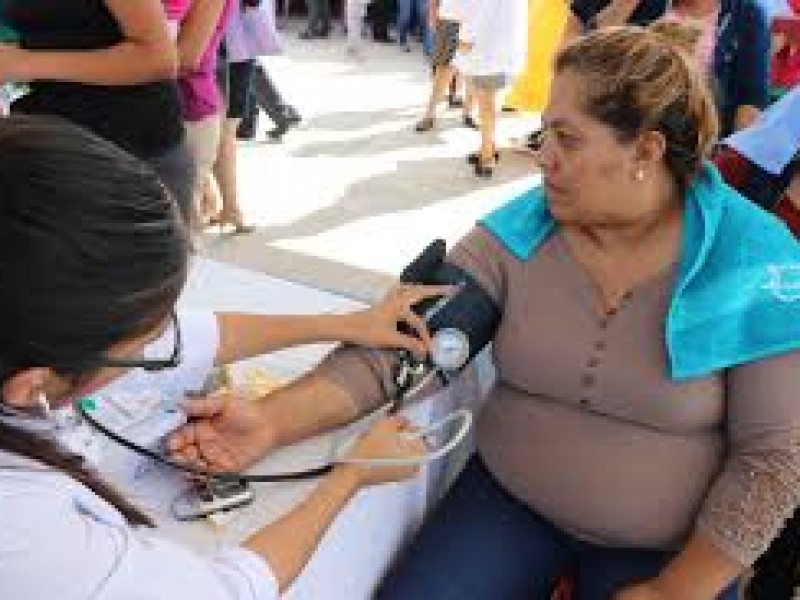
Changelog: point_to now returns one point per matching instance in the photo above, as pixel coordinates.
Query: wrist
(347, 478)
(340, 327)
(268, 433)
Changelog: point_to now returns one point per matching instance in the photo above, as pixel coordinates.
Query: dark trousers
(381, 14)
(482, 544)
(264, 96)
(319, 15)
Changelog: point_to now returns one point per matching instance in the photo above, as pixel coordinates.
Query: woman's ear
(650, 148)
(22, 389)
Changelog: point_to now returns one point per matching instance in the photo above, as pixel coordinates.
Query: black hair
(92, 252)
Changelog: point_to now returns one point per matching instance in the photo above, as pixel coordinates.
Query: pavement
(353, 194)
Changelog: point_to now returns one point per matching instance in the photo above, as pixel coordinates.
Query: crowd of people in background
(201, 81)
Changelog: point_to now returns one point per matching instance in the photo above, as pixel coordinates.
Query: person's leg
(442, 76)
(468, 104)
(325, 17)
(604, 571)
(405, 11)
(268, 98)
(225, 174)
(381, 17)
(319, 19)
(485, 95)
(446, 43)
(176, 168)
(353, 17)
(479, 544)
(203, 138)
(249, 125)
(422, 16)
(429, 39)
(240, 75)
(312, 21)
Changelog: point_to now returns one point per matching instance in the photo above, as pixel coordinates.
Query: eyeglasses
(153, 364)
(147, 364)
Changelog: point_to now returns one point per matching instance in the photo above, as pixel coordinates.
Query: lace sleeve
(758, 489)
(751, 501)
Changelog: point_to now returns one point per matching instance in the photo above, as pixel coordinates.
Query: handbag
(253, 31)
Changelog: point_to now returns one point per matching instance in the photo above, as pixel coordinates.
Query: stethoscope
(450, 352)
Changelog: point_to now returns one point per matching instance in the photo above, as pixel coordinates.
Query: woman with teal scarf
(643, 432)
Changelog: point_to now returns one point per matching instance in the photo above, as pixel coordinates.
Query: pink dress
(199, 93)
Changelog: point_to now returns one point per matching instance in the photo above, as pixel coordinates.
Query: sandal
(473, 158)
(425, 124)
(484, 171)
(454, 101)
(470, 122)
(235, 222)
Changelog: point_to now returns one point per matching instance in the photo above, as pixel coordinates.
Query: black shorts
(234, 81)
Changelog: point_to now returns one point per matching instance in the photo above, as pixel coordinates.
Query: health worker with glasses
(88, 285)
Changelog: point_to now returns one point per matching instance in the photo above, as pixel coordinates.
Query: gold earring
(639, 176)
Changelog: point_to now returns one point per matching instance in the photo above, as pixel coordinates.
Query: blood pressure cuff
(470, 310)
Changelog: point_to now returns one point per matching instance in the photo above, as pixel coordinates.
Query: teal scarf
(737, 298)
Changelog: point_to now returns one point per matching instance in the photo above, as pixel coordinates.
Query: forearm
(701, 571)
(244, 336)
(305, 408)
(289, 543)
(196, 32)
(126, 63)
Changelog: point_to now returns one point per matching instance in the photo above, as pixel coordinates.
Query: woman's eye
(566, 140)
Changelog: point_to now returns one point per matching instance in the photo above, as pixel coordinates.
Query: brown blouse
(585, 426)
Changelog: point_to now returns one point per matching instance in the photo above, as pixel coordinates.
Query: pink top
(199, 93)
(177, 9)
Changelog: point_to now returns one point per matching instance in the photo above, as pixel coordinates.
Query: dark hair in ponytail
(92, 252)
(27, 444)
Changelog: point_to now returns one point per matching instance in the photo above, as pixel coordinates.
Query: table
(368, 534)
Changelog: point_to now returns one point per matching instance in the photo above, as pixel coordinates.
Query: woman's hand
(225, 432)
(11, 56)
(388, 438)
(377, 325)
